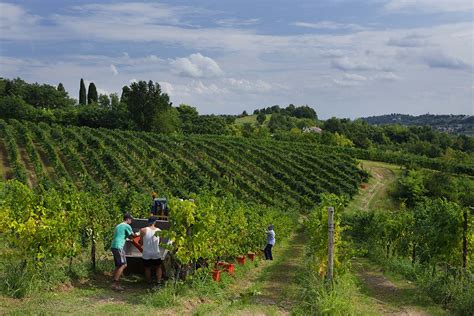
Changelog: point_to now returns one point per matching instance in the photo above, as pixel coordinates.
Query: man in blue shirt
(270, 243)
(121, 232)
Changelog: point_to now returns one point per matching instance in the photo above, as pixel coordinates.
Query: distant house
(312, 129)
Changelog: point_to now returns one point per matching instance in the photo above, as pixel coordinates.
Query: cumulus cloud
(411, 6)
(330, 25)
(196, 66)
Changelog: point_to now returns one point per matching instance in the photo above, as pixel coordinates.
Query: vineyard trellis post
(330, 244)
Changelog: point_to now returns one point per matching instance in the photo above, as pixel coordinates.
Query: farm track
(388, 295)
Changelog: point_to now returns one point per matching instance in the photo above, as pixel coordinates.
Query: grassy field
(252, 119)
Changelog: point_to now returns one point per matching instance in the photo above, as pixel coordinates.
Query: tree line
(144, 106)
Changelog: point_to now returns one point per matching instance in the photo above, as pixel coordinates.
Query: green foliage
(92, 94)
(104, 101)
(261, 117)
(166, 121)
(410, 188)
(82, 93)
(144, 101)
(221, 227)
(280, 122)
(317, 298)
(316, 227)
(39, 96)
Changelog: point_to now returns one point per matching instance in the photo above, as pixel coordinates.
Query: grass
(252, 119)
(94, 295)
(376, 193)
(392, 291)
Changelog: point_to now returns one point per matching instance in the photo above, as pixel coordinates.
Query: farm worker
(154, 205)
(121, 232)
(270, 243)
(151, 250)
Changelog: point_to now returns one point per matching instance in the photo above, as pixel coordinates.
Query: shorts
(151, 262)
(119, 257)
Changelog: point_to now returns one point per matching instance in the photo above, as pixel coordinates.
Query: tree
(82, 93)
(114, 101)
(166, 121)
(280, 122)
(290, 109)
(247, 130)
(188, 116)
(304, 112)
(61, 87)
(261, 117)
(125, 93)
(144, 102)
(244, 114)
(104, 101)
(92, 94)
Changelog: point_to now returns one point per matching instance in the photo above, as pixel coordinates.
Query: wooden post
(464, 240)
(330, 244)
(93, 249)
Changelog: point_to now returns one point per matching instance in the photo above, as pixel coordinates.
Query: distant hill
(456, 124)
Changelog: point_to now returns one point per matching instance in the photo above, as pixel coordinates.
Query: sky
(344, 58)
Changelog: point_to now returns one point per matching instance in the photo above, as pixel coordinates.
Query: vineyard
(265, 172)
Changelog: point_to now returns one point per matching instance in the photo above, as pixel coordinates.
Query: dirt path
(279, 285)
(269, 289)
(374, 194)
(388, 294)
(392, 295)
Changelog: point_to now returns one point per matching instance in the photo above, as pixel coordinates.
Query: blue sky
(345, 58)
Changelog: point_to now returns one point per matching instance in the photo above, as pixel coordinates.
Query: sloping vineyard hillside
(268, 172)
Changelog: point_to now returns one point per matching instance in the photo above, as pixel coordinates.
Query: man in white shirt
(151, 250)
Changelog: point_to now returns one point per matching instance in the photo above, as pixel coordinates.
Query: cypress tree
(92, 96)
(82, 93)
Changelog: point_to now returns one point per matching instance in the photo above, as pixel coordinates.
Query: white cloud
(386, 76)
(411, 40)
(166, 87)
(15, 22)
(198, 87)
(237, 22)
(440, 60)
(350, 80)
(411, 6)
(258, 86)
(330, 25)
(196, 66)
(114, 69)
(356, 64)
(256, 65)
